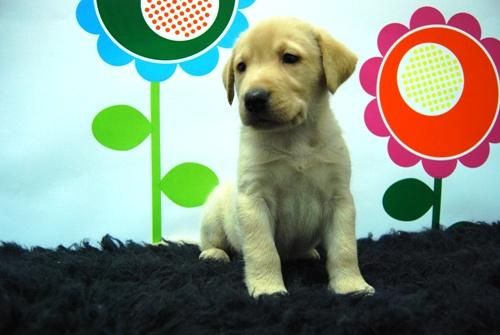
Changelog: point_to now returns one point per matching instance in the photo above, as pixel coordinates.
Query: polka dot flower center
(430, 79)
(179, 20)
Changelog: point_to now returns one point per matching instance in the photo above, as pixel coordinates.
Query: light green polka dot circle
(430, 79)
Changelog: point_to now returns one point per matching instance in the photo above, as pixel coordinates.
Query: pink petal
(494, 136)
(373, 120)
(400, 155)
(368, 75)
(389, 35)
(492, 45)
(439, 169)
(467, 23)
(477, 157)
(425, 16)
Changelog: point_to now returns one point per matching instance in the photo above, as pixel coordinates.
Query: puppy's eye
(241, 67)
(290, 59)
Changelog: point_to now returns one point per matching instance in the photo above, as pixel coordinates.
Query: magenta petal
(467, 23)
(494, 136)
(425, 16)
(400, 155)
(477, 157)
(389, 35)
(373, 119)
(439, 169)
(368, 75)
(492, 45)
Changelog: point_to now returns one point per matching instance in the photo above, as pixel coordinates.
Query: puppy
(294, 170)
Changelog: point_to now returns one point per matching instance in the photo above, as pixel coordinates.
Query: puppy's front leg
(262, 262)
(342, 254)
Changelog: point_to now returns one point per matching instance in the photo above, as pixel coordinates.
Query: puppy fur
(293, 188)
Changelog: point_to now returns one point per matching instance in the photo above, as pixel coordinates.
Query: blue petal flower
(245, 3)
(154, 72)
(87, 17)
(112, 54)
(203, 64)
(240, 24)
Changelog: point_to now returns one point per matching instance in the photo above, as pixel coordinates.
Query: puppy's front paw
(215, 254)
(257, 291)
(348, 285)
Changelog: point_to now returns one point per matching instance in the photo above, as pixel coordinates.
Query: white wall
(58, 185)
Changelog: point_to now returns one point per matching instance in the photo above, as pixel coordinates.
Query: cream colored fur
(293, 188)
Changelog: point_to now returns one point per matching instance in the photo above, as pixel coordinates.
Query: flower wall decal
(436, 97)
(159, 36)
(128, 33)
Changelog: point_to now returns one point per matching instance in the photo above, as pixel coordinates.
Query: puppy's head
(281, 68)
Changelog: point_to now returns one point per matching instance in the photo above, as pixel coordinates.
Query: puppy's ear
(338, 61)
(228, 79)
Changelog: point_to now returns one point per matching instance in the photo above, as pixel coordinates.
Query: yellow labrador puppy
(294, 171)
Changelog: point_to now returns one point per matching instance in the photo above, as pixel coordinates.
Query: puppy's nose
(257, 100)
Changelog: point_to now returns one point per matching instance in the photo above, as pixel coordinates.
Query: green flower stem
(436, 208)
(155, 161)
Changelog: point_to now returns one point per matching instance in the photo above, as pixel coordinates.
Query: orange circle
(457, 131)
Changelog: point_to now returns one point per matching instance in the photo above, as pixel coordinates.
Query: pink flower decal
(436, 96)
(436, 91)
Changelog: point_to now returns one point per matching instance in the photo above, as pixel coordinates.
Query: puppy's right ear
(228, 79)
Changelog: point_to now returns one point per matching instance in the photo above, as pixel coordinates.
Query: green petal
(189, 184)
(120, 127)
(408, 199)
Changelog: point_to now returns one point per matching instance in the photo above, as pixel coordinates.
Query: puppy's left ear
(228, 79)
(338, 61)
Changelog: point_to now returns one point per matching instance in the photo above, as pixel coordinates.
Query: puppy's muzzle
(257, 101)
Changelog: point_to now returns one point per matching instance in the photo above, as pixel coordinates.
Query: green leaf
(189, 184)
(408, 199)
(121, 127)
(460, 224)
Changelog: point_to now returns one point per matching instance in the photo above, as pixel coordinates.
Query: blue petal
(86, 16)
(203, 64)
(154, 72)
(245, 3)
(110, 53)
(239, 25)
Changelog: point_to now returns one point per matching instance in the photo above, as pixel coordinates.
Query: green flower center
(430, 79)
(136, 26)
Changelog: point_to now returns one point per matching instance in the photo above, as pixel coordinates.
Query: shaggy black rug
(445, 282)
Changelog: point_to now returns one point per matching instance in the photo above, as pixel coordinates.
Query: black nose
(257, 100)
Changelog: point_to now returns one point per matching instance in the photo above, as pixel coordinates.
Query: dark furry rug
(427, 283)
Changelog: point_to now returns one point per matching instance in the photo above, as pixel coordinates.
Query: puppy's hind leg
(213, 239)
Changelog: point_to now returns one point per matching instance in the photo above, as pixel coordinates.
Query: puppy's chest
(300, 164)
(299, 190)
(301, 204)
(306, 172)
